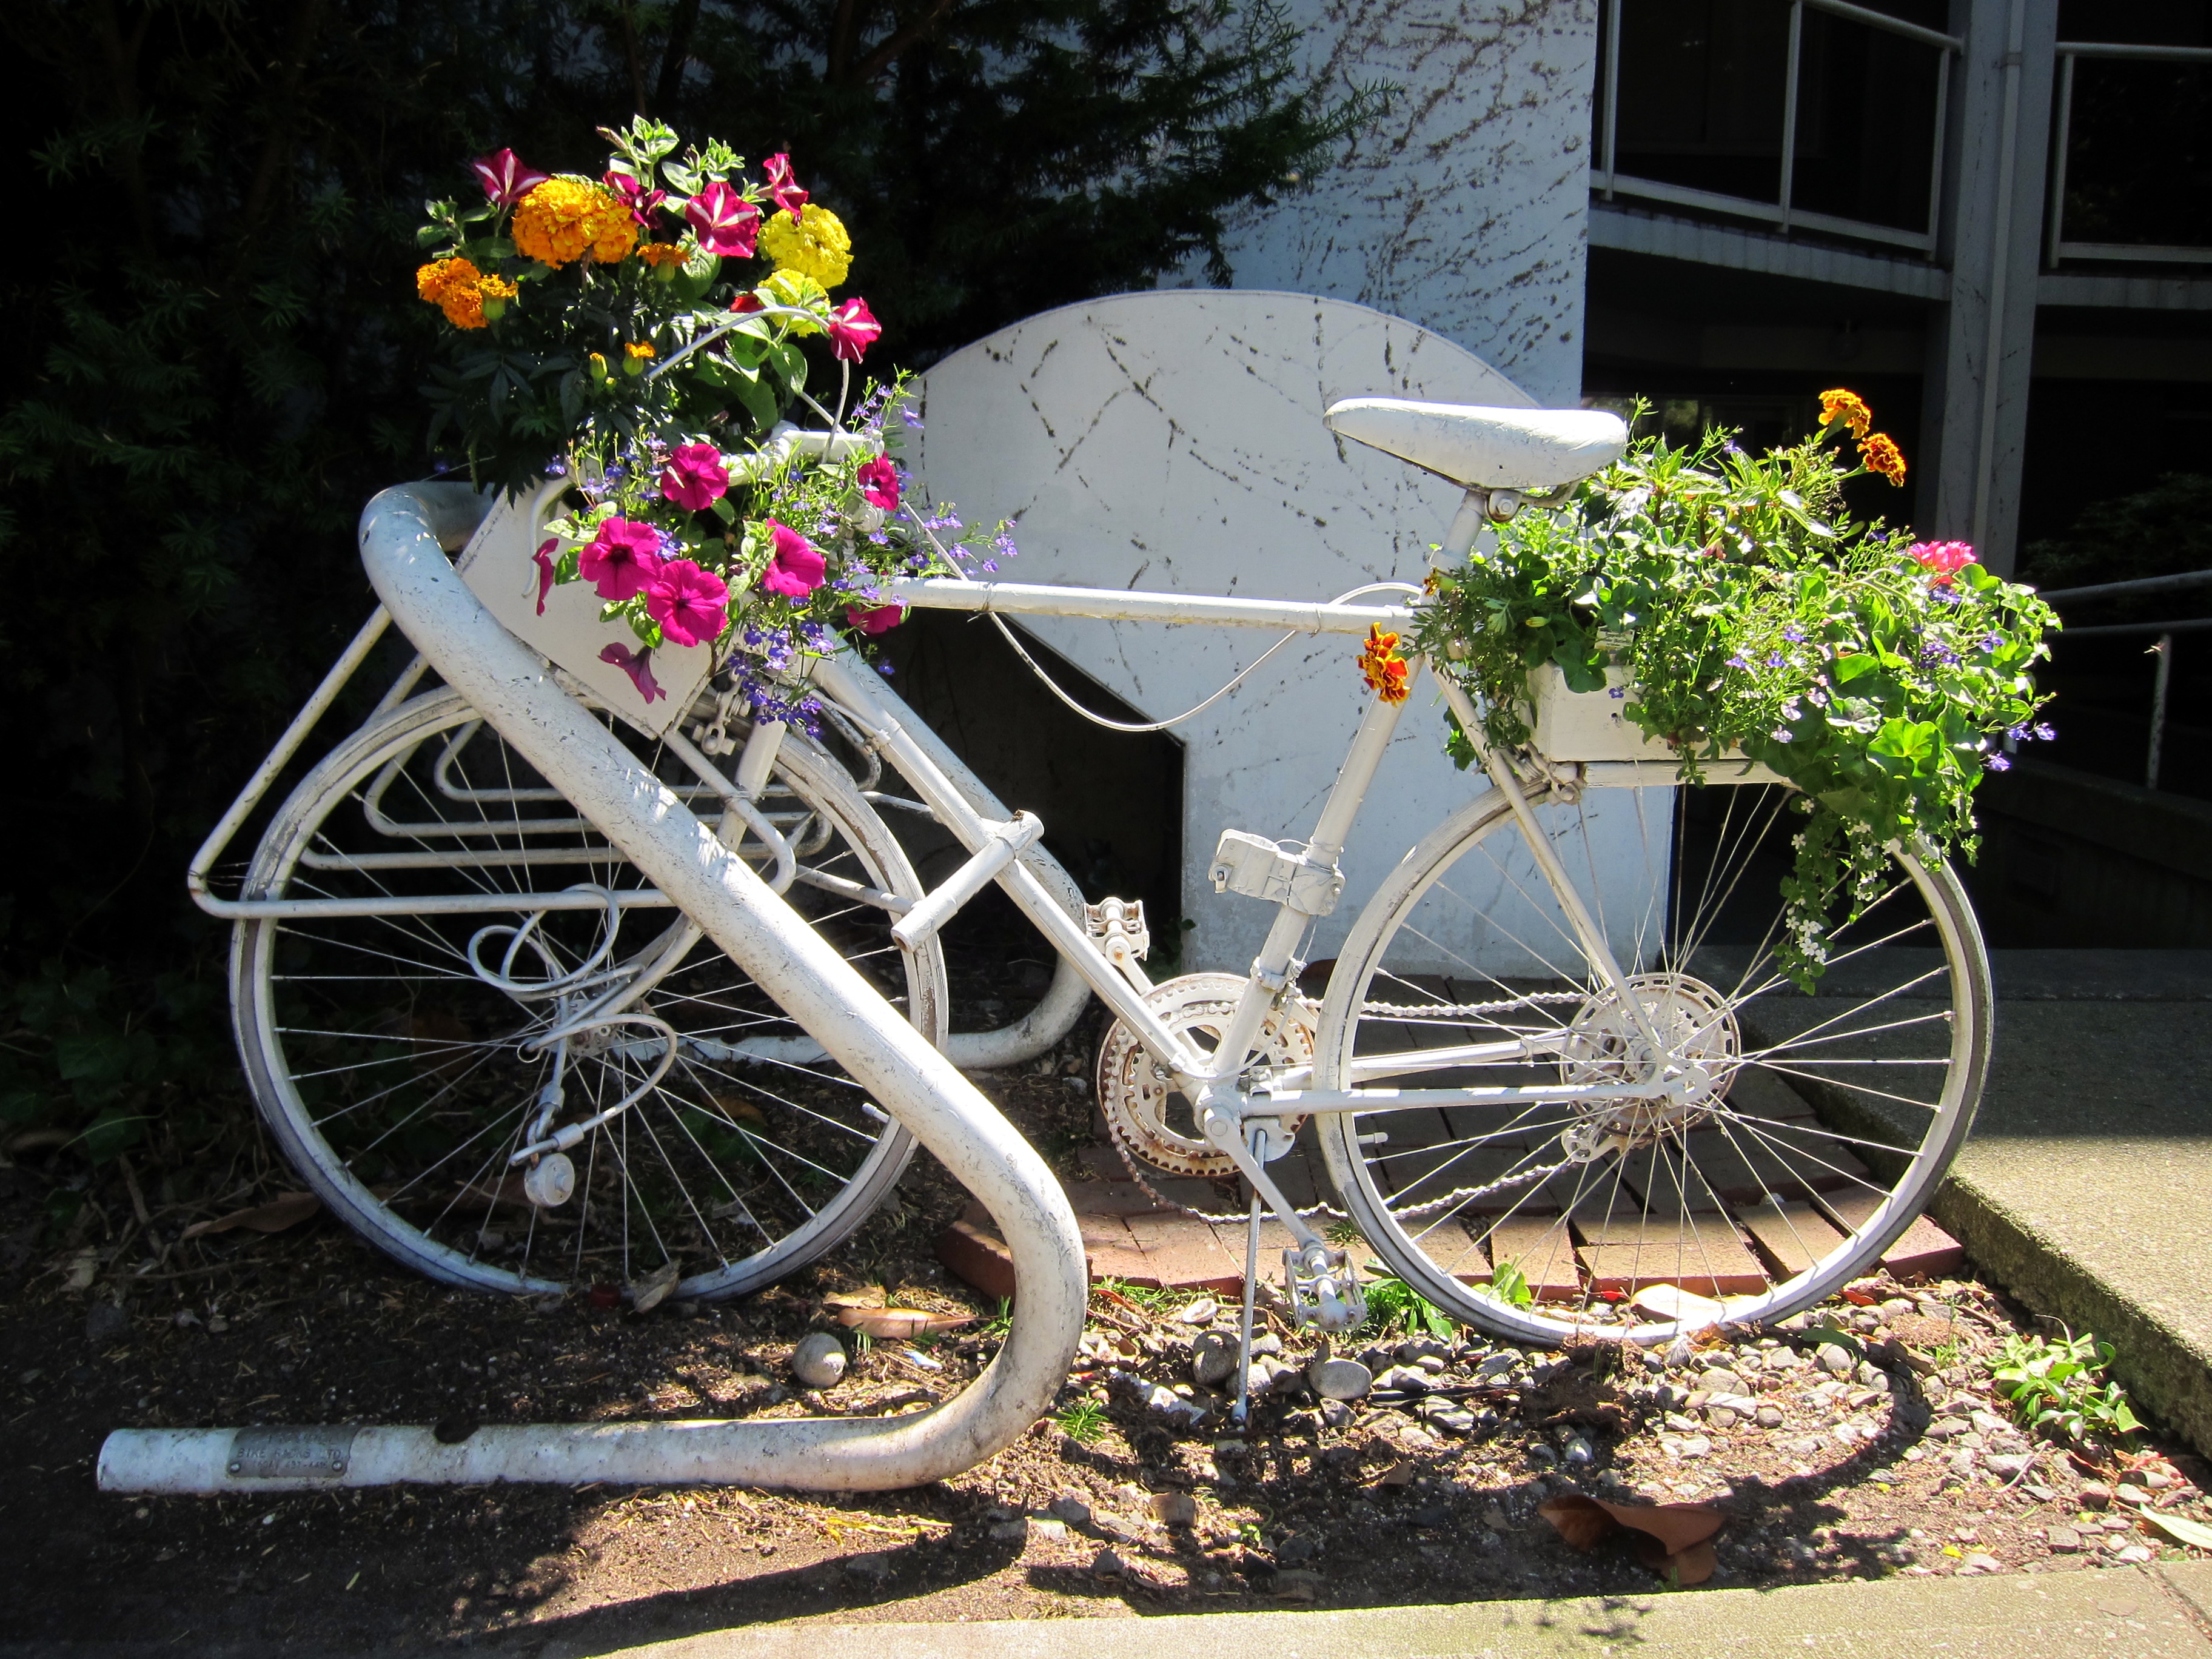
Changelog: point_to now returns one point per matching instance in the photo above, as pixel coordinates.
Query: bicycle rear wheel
(1812, 1133)
(399, 1059)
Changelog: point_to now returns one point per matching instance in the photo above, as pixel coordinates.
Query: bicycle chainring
(1148, 1116)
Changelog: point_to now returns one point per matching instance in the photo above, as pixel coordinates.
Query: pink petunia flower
(506, 180)
(796, 570)
(853, 329)
(782, 186)
(727, 223)
(640, 201)
(881, 619)
(638, 664)
(690, 603)
(621, 559)
(879, 483)
(694, 476)
(1941, 560)
(543, 558)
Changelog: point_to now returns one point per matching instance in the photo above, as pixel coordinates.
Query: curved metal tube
(516, 692)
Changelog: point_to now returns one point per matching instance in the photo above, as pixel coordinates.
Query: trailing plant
(2061, 1388)
(1733, 602)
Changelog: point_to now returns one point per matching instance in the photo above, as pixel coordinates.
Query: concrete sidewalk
(2086, 1188)
(2150, 1613)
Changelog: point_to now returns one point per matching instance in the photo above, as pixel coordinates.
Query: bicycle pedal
(1330, 1297)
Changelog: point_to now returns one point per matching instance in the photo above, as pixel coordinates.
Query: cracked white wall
(1172, 441)
(1465, 208)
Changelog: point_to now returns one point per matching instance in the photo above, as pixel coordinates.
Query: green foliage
(1747, 609)
(1394, 1305)
(2157, 531)
(2061, 1388)
(1510, 1286)
(220, 348)
(1084, 1422)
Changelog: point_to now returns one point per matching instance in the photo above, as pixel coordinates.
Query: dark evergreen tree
(217, 352)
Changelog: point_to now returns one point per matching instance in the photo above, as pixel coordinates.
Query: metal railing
(2071, 52)
(2163, 648)
(1609, 181)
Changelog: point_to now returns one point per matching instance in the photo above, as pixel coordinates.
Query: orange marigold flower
(564, 218)
(1880, 453)
(658, 254)
(1848, 408)
(456, 287)
(640, 349)
(1382, 667)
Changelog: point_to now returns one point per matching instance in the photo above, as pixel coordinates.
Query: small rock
(1295, 1550)
(1833, 1358)
(1543, 1456)
(1989, 1422)
(1199, 1312)
(1678, 1422)
(1721, 1380)
(1495, 1519)
(1721, 1417)
(1336, 1414)
(1415, 1350)
(1962, 1464)
(1871, 1376)
(1174, 1508)
(1770, 1416)
(1054, 1530)
(1268, 1342)
(2063, 1540)
(1339, 1379)
(2132, 1495)
(2096, 1495)
(1688, 1445)
(1213, 1357)
(1434, 1365)
(1943, 1428)
(1073, 1511)
(1680, 1353)
(2134, 1555)
(1494, 1370)
(105, 1322)
(1117, 1526)
(1298, 1584)
(2153, 1479)
(818, 1361)
(1453, 1420)
(1016, 1531)
(1577, 1452)
(1404, 1379)
(1896, 1306)
(1166, 1402)
(1107, 1564)
(1980, 1562)
(873, 1565)
(2007, 1465)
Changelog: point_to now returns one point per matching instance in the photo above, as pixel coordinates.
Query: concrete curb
(2165, 1370)
(2157, 1613)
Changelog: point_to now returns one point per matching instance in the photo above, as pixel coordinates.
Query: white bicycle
(1558, 1081)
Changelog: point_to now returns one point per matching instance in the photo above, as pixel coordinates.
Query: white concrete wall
(1466, 208)
(1172, 441)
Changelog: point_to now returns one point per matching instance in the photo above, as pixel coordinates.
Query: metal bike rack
(651, 825)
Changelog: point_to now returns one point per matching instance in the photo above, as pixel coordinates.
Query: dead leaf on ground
(2181, 1530)
(285, 1210)
(869, 1295)
(650, 1292)
(900, 1321)
(1672, 1539)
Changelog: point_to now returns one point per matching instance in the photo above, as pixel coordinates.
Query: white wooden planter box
(1588, 725)
(498, 568)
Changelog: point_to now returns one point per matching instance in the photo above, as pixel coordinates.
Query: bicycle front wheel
(403, 1060)
(1802, 1137)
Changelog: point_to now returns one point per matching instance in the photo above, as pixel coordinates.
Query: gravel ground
(1133, 1497)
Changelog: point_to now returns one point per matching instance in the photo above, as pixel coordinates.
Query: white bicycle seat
(1529, 449)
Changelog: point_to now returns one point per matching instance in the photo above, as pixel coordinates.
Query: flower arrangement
(1881, 675)
(597, 330)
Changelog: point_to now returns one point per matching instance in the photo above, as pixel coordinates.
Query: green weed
(1083, 1422)
(2061, 1387)
(1394, 1305)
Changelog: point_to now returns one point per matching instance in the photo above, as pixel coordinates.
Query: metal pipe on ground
(683, 857)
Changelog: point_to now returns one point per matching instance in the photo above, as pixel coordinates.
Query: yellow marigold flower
(497, 288)
(658, 254)
(796, 290)
(1848, 408)
(1385, 672)
(639, 350)
(1880, 453)
(815, 247)
(455, 286)
(564, 218)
